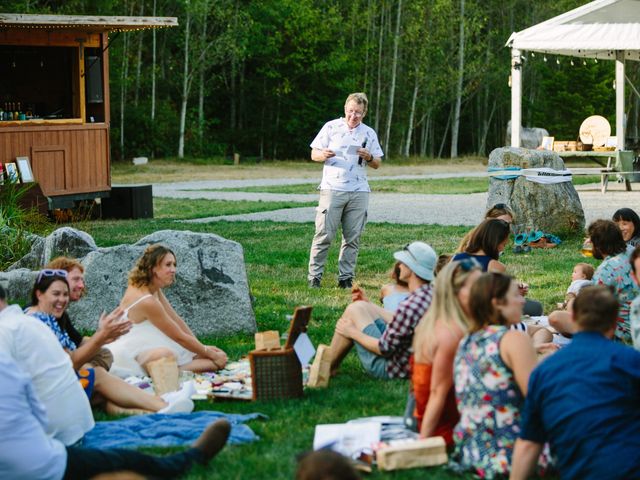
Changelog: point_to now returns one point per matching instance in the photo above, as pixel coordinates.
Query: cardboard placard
(425, 452)
(267, 340)
(320, 371)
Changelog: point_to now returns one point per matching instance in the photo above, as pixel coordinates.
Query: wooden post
(516, 97)
(236, 159)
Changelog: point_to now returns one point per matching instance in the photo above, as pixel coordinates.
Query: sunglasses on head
(51, 273)
(501, 206)
(406, 249)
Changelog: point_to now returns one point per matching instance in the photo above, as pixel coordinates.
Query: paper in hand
(352, 150)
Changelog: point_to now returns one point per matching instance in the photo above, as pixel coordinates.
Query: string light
(544, 58)
(557, 61)
(571, 62)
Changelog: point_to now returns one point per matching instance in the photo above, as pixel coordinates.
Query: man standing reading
(347, 147)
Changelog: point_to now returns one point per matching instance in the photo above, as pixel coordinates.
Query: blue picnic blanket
(166, 430)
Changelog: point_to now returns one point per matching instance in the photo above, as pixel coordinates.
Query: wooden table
(617, 162)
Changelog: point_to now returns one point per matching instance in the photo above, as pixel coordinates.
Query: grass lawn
(170, 208)
(444, 186)
(276, 256)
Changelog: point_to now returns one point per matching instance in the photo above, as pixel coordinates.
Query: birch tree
(394, 70)
(455, 126)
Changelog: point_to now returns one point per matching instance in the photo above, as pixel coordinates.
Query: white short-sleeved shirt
(342, 172)
(36, 350)
(26, 451)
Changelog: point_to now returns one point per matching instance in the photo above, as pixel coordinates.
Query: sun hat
(419, 257)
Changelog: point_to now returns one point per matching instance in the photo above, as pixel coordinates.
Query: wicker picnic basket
(276, 373)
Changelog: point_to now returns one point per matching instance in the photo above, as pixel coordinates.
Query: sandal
(552, 238)
(520, 239)
(543, 243)
(535, 235)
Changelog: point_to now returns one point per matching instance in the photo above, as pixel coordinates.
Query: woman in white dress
(158, 333)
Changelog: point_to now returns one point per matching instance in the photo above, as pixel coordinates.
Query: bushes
(17, 223)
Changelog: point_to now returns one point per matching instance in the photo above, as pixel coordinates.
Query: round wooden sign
(595, 130)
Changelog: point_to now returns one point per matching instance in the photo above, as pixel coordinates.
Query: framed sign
(547, 143)
(12, 173)
(24, 166)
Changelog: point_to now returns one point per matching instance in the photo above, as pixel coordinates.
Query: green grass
(276, 256)
(446, 186)
(170, 208)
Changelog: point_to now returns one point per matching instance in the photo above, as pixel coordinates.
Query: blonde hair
(445, 306)
(142, 273)
(360, 98)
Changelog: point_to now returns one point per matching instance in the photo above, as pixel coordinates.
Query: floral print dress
(615, 272)
(489, 402)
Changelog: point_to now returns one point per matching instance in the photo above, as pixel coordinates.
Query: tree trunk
(376, 123)
(139, 60)
(394, 69)
(153, 69)
(446, 131)
(456, 116)
(482, 150)
(185, 84)
(123, 90)
(201, 89)
(412, 111)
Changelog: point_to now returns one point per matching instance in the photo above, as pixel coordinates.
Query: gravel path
(413, 209)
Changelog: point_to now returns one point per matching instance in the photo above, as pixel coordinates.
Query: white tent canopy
(603, 29)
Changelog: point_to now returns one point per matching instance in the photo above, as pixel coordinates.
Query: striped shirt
(395, 342)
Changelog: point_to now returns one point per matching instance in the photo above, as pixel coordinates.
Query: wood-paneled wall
(65, 160)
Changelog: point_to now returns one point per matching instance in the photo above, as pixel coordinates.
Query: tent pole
(620, 99)
(516, 97)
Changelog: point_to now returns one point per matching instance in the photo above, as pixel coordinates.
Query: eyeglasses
(51, 273)
(354, 113)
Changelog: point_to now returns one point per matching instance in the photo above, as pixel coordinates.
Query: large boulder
(530, 137)
(18, 284)
(65, 241)
(552, 208)
(211, 292)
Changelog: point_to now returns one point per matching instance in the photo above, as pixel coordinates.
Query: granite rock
(552, 208)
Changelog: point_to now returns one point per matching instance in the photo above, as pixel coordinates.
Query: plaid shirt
(395, 342)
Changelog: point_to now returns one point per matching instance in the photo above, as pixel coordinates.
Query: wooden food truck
(54, 100)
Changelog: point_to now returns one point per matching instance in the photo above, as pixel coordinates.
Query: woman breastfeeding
(492, 368)
(435, 344)
(159, 340)
(49, 300)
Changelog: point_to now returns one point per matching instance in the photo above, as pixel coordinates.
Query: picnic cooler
(276, 373)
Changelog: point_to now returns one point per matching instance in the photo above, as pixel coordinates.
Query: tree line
(260, 77)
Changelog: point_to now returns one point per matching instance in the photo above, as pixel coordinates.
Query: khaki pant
(348, 209)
